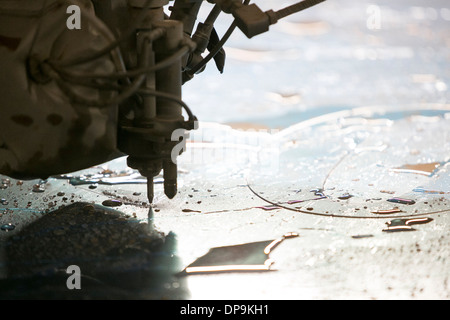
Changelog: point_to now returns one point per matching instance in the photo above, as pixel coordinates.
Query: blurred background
(358, 92)
(336, 55)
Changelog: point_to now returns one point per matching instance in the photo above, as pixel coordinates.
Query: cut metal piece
(252, 256)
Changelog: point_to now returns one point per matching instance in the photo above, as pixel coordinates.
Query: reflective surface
(327, 115)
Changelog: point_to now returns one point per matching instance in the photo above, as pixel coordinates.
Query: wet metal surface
(337, 104)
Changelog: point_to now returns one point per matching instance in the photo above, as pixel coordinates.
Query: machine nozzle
(150, 193)
(170, 178)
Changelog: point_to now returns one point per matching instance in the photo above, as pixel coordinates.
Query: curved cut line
(342, 216)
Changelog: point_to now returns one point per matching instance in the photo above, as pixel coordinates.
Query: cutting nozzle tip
(170, 190)
(150, 194)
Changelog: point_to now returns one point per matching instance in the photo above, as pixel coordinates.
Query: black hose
(296, 8)
(217, 48)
